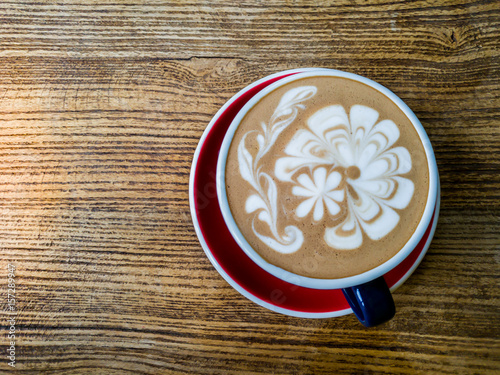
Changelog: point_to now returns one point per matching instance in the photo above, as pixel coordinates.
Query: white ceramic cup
(346, 282)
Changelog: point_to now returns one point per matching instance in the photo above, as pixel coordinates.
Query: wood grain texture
(101, 108)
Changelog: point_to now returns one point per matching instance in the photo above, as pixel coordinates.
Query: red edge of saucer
(259, 285)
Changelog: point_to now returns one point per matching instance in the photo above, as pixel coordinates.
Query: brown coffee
(326, 177)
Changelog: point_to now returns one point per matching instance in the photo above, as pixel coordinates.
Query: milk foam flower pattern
(321, 191)
(363, 149)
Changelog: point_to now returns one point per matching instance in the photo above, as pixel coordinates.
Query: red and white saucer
(231, 261)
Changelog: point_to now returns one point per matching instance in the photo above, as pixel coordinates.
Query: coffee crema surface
(326, 177)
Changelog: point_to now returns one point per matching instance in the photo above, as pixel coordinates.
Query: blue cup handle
(371, 302)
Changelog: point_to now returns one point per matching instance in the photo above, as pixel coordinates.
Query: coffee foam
(320, 183)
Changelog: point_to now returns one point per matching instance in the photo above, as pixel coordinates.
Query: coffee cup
(327, 180)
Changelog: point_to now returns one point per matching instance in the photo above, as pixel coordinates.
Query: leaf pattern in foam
(291, 241)
(245, 162)
(254, 202)
(272, 197)
(286, 112)
(266, 202)
(289, 100)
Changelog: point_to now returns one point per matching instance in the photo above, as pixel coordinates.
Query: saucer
(231, 261)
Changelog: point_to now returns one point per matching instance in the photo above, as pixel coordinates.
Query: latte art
(362, 148)
(326, 177)
(265, 201)
(322, 190)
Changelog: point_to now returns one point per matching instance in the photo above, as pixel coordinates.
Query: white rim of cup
(310, 282)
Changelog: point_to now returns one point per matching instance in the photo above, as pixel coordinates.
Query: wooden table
(102, 106)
